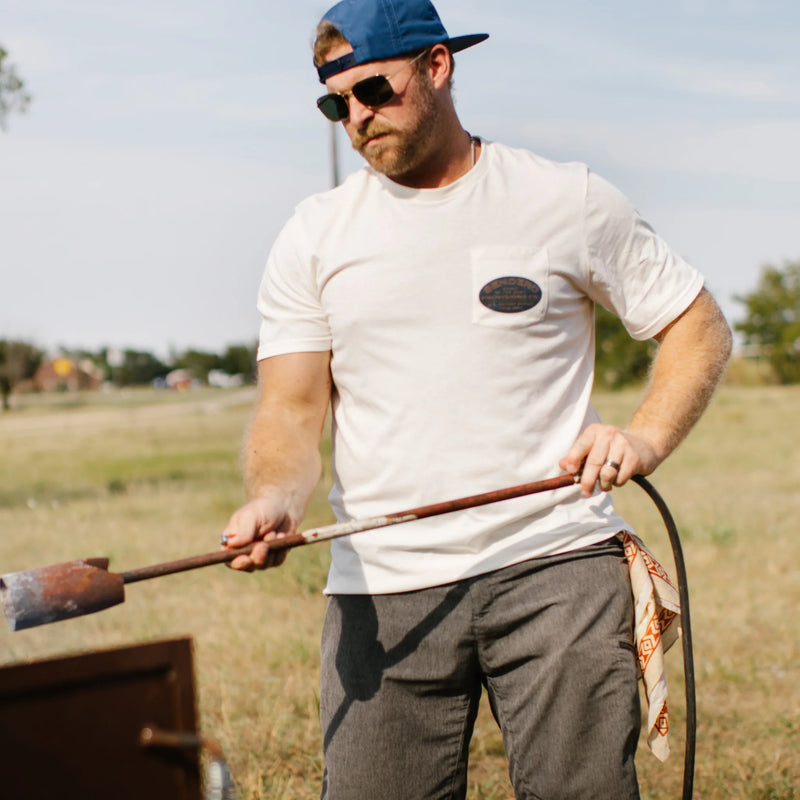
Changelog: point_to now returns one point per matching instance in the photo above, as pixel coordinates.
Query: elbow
(718, 339)
(713, 327)
(728, 341)
(721, 334)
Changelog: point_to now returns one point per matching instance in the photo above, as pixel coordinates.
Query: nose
(359, 113)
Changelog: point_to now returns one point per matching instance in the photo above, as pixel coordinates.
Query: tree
(619, 360)
(13, 96)
(18, 361)
(240, 359)
(138, 367)
(198, 362)
(772, 321)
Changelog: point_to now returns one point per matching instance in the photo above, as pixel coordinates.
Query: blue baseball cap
(379, 29)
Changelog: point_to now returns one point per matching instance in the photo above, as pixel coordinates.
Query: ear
(440, 65)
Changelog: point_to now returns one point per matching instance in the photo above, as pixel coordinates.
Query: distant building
(180, 379)
(65, 374)
(220, 379)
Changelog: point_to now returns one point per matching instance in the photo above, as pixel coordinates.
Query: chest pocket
(509, 286)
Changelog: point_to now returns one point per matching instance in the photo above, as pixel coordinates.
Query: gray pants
(551, 640)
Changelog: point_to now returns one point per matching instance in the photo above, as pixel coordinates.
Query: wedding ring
(614, 464)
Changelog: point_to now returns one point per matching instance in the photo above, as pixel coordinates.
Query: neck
(451, 158)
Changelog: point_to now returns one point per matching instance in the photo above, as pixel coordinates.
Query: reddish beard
(360, 137)
(404, 148)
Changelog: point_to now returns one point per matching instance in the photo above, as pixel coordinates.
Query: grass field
(145, 477)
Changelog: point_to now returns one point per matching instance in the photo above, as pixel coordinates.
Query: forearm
(280, 461)
(687, 368)
(281, 456)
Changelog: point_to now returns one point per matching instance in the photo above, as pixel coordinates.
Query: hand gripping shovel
(75, 588)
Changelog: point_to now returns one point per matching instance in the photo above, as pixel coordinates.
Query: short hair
(327, 37)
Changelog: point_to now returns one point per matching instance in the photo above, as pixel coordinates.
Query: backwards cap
(380, 29)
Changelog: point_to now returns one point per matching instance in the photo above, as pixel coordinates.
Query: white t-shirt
(461, 326)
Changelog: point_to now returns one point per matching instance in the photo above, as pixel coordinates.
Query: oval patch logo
(510, 295)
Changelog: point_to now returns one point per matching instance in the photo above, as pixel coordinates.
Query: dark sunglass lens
(373, 92)
(334, 107)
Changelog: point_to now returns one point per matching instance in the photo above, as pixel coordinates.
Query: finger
(609, 473)
(589, 477)
(242, 529)
(259, 554)
(595, 472)
(263, 556)
(274, 557)
(627, 469)
(232, 537)
(242, 564)
(575, 458)
(622, 462)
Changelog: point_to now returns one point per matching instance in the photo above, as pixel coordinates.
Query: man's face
(395, 138)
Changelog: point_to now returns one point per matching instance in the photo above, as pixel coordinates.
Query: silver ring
(224, 539)
(609, 463)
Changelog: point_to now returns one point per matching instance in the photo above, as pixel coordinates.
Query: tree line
(770, 333)
(21, 360)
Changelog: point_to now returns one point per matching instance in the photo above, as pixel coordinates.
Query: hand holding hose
(606, 456)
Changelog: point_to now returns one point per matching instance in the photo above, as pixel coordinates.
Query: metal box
(73, 727)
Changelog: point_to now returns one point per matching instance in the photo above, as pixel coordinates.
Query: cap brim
(463, 42)
(348, 60)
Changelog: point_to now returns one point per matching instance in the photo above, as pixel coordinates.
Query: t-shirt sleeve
(292, 317)
(631, 269)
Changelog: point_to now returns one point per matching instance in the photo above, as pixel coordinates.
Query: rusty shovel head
(61, 591)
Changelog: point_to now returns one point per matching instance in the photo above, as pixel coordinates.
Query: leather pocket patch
(510, 294)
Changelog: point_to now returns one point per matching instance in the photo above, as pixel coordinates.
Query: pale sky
(169, 141)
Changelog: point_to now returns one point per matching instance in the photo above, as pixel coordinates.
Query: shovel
(75, 588)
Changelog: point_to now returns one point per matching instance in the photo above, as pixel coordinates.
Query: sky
(168, 141)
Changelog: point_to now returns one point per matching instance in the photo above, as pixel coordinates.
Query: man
(442, 300)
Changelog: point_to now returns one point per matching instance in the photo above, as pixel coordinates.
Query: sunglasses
(371, 92)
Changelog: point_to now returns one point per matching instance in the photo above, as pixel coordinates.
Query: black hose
(688, 658)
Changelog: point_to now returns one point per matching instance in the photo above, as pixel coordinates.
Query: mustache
(360, 137)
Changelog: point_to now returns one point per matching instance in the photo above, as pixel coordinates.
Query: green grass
(147, 477)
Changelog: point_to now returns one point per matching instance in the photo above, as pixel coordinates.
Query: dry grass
(143, 478)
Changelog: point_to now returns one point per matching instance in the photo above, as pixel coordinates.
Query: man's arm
(693, 351)
(281, 453)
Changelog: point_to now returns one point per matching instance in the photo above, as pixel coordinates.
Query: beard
(400, 150)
